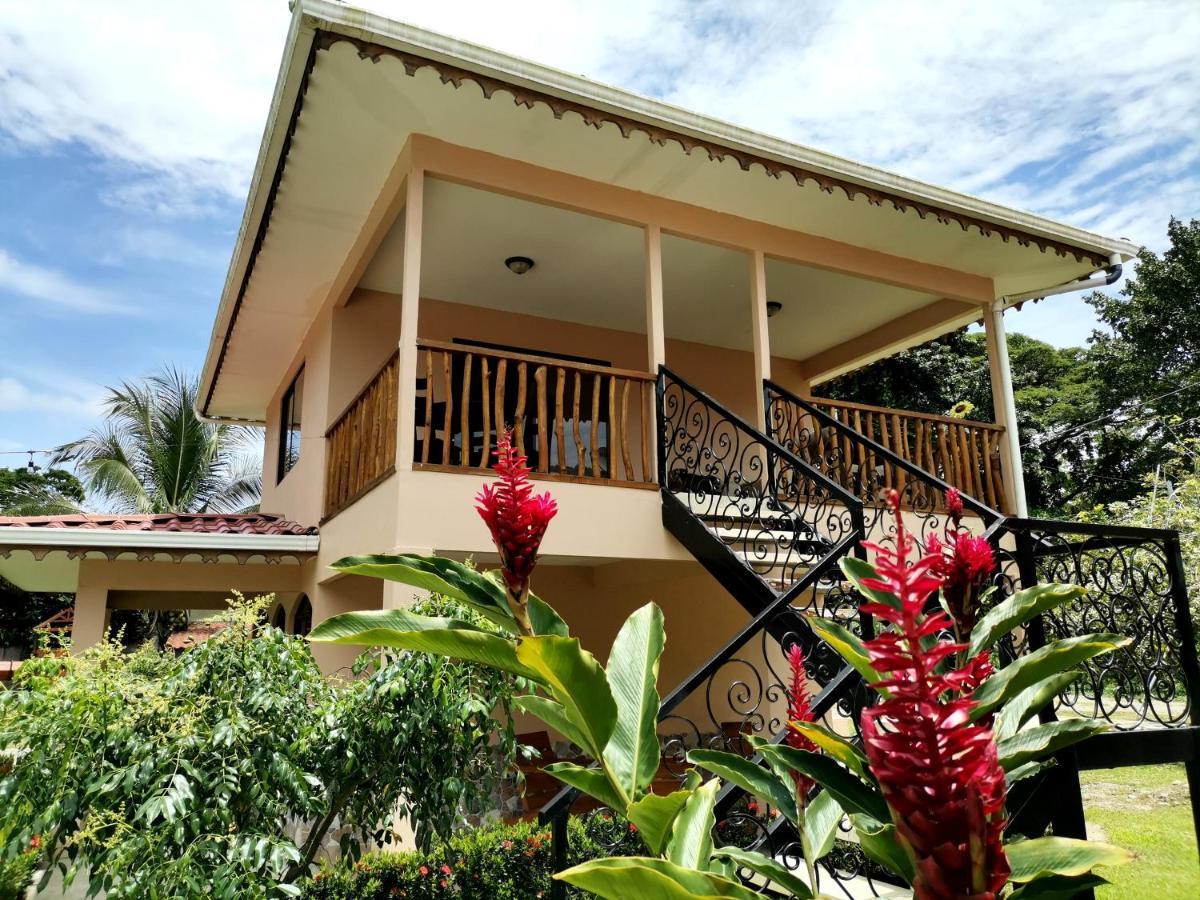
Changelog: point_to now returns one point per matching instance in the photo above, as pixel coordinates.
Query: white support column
(91, 616)
(410, 298)
(656, 336)
(1006, 412)
(758, 332)
(656, 339)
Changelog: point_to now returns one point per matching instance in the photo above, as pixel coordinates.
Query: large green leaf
(439, 575)
(1032, 744)
(592, 782)
(653, 814)
(575, 680)
(403, 630)
(553, 714)
(1045, 856)
(834, 745)
(750, 777)
(1017, 610)
(768, 868)
(1028, 770)
(854, 795)
(1038, 665)
(878, 840)
(649, 878)
(544, 619)
(691, 833)
(848, 646)
(1057, 887)
(821, 818)
(857, 570)
(633, 750)
(1017, 711)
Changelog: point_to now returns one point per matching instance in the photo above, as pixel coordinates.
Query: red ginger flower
(955, 505)
(939, 773)
(799, 710)
(964, 565)
(516, 517)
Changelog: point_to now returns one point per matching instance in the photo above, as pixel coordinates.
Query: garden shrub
(498, 862)
(219, 772)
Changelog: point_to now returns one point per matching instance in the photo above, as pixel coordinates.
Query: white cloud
(56, 288)
(47, 393)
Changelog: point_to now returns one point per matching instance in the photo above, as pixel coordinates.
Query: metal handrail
(980, 508)
(768, 441)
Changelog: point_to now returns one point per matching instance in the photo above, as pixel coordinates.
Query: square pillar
(1005, 412)
(656, 338)
(91, 616)
(758, 333)
(410, 298)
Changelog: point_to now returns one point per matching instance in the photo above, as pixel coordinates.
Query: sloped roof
(193, 523)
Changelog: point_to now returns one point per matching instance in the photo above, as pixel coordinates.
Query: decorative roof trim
(597, 118)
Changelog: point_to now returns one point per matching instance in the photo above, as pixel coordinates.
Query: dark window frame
(287, 458)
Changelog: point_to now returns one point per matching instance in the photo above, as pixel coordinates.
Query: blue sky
(128, 131)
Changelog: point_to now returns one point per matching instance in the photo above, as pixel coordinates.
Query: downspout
(1012, 436)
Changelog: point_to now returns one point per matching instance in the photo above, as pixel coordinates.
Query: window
(280, 620)
(302, 619)
(289, 425)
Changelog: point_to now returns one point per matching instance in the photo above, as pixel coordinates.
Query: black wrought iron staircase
(769, 516)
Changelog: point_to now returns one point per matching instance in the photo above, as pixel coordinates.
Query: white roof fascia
(160, 540)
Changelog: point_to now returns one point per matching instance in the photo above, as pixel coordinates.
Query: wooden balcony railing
(575, 422)
(963, 453)
(360, 448)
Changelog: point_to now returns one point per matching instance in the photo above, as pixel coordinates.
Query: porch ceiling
(359, 103)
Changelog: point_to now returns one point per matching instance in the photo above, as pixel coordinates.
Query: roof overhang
(353, 87)
(47, 559)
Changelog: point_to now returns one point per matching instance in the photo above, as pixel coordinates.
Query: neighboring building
(441, 239)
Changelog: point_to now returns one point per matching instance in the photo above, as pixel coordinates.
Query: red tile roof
(195, 523)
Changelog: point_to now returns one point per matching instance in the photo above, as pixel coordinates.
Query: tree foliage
(49, 493)
(154, 454)
(221, 772)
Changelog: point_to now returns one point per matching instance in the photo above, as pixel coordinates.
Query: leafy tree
(221, 772)
(154, 454)
(25, 493)
(1148, 367)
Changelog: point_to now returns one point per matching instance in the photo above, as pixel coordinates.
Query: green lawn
(1145, 810)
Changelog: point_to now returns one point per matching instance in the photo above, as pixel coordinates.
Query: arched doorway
(302, 619)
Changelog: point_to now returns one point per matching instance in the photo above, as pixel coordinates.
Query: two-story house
(441, 241)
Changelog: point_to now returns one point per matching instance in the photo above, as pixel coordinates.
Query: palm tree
(154, 454)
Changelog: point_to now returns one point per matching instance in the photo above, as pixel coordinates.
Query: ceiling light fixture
(519, 265)
(773, 306)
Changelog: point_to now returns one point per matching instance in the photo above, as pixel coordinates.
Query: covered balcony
(554, 321)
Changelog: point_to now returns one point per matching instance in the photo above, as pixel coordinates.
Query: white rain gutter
(1012, 437)
(98, 538)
